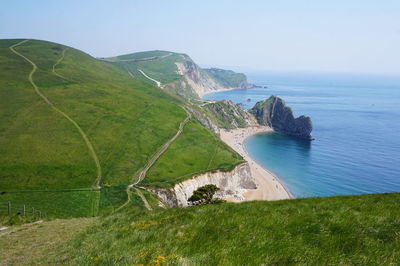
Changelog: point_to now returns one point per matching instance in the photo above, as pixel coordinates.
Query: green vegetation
(147, 55)
(349, 230)
(226, 114)
(159, 65)
(61, 204)
(205, 195)
(183, 159)
(16, 219)
(40, 243)
(125, 118)
(228, 78)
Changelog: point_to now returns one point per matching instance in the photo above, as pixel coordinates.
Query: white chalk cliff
(232, 184)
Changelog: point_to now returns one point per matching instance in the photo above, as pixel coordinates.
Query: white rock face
(232, 186)
(197, 80)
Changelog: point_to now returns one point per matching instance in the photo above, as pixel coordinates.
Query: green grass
(54, 204)
(126, 119)
(40, 243)
(227, 78)
(16, 219)
(111, 198)
(182, 160)
(225, 115)
(352, 230)
(163, 69)
(142, 55)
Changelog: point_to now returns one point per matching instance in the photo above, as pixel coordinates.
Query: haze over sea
(356, 126)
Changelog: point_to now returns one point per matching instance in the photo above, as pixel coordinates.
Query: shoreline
(202, 93)
(269, 187)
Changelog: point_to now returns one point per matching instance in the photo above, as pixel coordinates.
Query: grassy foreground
(350, 230)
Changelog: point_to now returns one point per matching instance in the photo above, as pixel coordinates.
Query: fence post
(24, 210)
(9, 207)
(33, 212)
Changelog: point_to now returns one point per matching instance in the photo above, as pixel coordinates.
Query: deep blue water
(356, 125)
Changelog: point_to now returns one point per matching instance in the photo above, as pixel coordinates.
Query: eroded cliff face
(205, 120)
(195, 80)
(232, 186)
(274, 113)
(228, 115)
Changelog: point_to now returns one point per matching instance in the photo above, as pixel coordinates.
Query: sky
(346, 36)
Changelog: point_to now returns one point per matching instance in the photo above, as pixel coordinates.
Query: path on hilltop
(58, 62)
(145, 59)
(38, 92)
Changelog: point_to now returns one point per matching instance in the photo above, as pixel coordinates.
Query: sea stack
(274, 113)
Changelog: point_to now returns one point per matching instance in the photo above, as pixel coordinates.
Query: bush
(205, 195)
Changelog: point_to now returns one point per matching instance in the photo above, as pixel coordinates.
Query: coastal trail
(139, 176)
(156, 81)
(41, 95)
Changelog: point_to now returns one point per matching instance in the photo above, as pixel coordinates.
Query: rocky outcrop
(232, 185)
(195, 80)
(228, 115)
(205, 120)
(274, 113)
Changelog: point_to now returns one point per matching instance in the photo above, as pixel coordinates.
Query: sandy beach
(269, 186)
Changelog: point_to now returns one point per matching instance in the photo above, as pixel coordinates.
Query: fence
(9, 208)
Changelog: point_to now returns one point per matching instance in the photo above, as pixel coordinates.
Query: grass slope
(182, 160)
(125, 118)
(351, 230)
(227, 78)
(225, 114)
(40, 243)
(160, 66)
(65, 204)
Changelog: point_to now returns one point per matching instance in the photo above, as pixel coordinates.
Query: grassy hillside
(43, 150)
(87, 123)
(183, 160)
(350, 230)
(159, 65)
(40, 243)
(228, 78)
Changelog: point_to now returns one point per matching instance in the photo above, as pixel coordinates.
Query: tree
(204, 195)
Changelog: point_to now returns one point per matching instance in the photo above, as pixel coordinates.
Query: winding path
(156, 81)
(146, 203)
(38, 92)
(142, 173)
(58, 62)
(154, 158)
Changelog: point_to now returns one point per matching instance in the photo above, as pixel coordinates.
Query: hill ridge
(83, 134)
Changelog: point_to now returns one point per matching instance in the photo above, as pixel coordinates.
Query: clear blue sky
(281, 35)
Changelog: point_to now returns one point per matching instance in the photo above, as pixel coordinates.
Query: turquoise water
(356, 123)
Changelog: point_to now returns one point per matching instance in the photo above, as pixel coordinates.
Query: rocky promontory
(274, 113)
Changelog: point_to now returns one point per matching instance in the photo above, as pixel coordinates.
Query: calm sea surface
(356, 123)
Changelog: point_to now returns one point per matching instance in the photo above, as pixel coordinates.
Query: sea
(356, 126)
